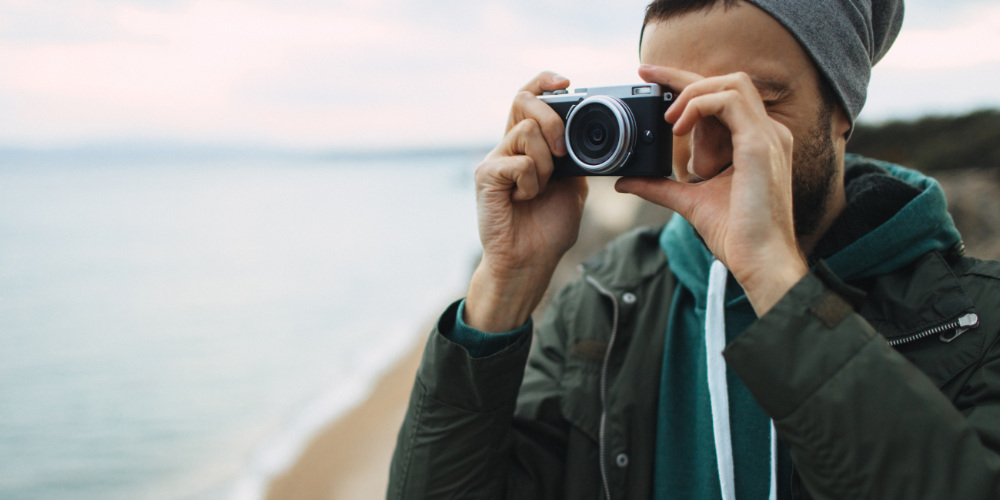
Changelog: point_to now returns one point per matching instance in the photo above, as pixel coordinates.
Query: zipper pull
(965, 323)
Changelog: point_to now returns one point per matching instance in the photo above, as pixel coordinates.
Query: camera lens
(593, 134)
(600, 133)
(597, 133)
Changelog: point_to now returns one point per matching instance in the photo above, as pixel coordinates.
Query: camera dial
(600, 134)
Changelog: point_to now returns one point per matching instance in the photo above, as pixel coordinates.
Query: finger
(676, 79)
(546, 81)
(507, 176)
(524, 176)
(738, 82)
(680, 197)
(534, 145)
(728, 106)
(675, 195)
(526, 139)
(528, 106)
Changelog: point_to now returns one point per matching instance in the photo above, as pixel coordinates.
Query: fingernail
(620, 188)
(559, 78)
(646, 66)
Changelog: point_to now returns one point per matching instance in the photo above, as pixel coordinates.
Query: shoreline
(349, 457)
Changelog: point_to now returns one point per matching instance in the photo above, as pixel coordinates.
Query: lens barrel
(600, 134)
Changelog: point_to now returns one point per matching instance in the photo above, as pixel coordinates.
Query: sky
(380, 74)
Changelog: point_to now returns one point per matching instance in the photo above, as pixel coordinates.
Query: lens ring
(623, 141)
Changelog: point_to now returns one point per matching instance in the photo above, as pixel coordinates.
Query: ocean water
(180, 330)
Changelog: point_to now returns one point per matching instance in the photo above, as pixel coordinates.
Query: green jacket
(861, 419)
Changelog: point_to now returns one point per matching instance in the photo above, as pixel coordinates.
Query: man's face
(745, 38)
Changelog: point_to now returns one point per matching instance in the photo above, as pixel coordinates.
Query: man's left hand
(743, 208)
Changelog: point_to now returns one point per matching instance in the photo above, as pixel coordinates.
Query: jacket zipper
(604, 383)
(949, 331)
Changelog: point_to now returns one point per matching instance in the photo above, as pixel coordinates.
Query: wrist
(771, 282)
(503, 300)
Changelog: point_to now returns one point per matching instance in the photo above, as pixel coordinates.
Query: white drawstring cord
(773, 495)
(718, 387)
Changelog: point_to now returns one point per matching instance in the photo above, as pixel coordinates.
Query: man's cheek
(711, 148)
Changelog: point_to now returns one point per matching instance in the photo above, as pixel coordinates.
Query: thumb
(676, 196)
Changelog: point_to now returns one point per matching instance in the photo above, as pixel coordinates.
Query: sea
(179, 329)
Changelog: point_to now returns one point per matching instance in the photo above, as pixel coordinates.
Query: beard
(814, 168)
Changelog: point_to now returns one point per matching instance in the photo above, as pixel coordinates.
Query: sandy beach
(349, 459)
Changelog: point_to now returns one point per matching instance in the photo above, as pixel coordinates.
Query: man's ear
(841, 126)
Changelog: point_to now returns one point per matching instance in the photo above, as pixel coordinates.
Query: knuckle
(493, 170)
(522, 102)
(523, 96)
(530, 127)
(521, 108)
(480, 175)
(741, 80)
(741, 98)
(483, 169)
(523, 165)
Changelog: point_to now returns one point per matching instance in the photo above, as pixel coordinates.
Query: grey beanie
(844, 37)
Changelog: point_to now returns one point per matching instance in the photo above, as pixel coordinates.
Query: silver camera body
(617, 130)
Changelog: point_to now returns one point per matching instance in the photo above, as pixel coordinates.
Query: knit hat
(845, 38)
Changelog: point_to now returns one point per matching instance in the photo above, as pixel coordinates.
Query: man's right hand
(527, 221)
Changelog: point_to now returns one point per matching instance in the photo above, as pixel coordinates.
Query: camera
(617, 130)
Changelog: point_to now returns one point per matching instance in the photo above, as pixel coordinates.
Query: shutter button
(629, 298)
(621, 460)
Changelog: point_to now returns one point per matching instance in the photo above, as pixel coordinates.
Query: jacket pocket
(943, 361)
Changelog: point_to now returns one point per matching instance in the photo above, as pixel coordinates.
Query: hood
(920, 225)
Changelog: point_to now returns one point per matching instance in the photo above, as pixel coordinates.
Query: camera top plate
(619, 91)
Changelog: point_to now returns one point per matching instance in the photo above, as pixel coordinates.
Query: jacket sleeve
(460, 437)
(860, 420)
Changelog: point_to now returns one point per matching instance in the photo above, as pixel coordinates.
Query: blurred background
(221, 222)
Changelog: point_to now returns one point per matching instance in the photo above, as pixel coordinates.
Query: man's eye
(774, 100)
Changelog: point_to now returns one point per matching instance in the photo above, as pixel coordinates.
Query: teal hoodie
(686, 462)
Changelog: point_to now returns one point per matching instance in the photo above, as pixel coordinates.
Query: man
(659, 374)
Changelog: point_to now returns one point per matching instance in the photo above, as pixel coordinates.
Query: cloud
(351, 73)
(971, 41)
